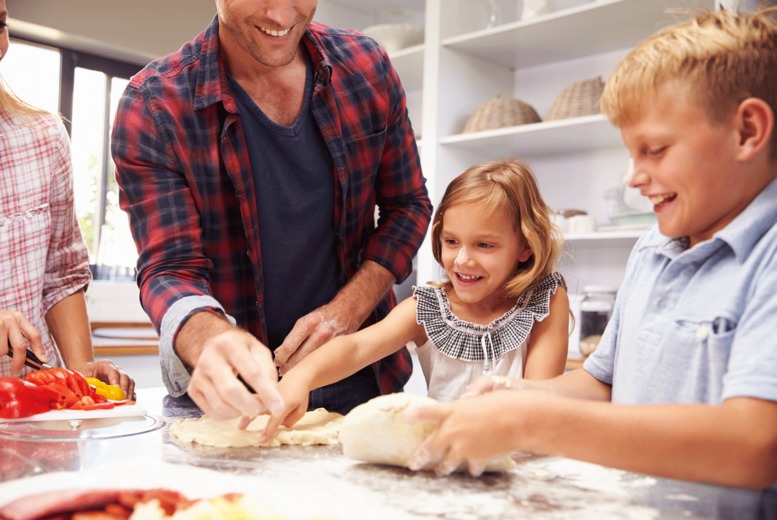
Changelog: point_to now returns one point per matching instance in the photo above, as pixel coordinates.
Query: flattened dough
(376, 432)
(316, 427)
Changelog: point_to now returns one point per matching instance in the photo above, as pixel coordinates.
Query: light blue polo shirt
(697, 325)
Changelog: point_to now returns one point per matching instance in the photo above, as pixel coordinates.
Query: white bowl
(393, 37)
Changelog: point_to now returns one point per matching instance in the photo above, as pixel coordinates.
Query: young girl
(499, 312)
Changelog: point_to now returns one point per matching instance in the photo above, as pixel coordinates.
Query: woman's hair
(722, 58)
(508, 185)
(11, 104)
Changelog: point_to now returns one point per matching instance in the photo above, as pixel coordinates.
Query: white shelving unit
(579, 134)
(463, 63)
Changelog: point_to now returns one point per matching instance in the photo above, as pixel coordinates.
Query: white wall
(140, 29)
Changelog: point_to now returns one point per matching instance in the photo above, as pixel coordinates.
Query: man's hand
(215, 386)
(310, 332)
(343, 315)
(16, 332)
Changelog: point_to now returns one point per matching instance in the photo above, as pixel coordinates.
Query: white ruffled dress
(458, 352)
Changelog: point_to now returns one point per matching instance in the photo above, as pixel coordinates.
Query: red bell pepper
(20, 398)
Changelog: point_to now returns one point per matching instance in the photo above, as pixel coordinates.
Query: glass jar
(595, 311)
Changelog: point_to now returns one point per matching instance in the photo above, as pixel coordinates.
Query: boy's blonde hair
(509, 185)
(721, 57)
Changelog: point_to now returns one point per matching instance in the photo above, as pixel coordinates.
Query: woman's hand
(108, 372)
(17, 333)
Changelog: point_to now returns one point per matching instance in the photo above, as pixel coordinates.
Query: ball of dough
(377, 432)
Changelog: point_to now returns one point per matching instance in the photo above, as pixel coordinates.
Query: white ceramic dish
(125, 410)
(394, 37)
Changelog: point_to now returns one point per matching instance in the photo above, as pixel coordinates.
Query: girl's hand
(486, 384)
(107, 372)
(295, 397)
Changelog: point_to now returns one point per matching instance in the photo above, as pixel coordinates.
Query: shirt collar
(212, 81)
(316, 51)
(744, 232)
(210, 78)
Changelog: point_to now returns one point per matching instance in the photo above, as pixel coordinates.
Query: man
(250, 163)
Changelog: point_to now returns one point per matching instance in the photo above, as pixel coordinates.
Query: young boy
(684, 381)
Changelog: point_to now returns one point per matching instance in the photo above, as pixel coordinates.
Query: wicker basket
(577, 99)
(500, 112)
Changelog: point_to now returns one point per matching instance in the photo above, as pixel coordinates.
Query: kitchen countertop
(302, 481)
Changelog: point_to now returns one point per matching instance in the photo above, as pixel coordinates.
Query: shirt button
(702, 333)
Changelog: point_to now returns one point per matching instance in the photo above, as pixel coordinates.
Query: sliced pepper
(101, 388)
(19, 398)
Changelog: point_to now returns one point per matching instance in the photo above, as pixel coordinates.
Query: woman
(44, 265)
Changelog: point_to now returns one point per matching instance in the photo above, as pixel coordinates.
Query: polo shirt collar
(744, 232)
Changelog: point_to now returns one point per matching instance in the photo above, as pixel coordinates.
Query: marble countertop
(306, 481)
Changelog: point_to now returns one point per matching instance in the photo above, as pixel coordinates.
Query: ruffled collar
(468, 341)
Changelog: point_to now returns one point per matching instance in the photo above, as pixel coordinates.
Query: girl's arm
(549, 340)
(343, 356)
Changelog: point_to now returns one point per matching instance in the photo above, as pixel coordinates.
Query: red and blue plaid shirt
(186, 182)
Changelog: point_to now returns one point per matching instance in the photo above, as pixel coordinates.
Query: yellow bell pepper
(112, 392)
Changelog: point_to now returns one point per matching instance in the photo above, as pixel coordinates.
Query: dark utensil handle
(31, 360)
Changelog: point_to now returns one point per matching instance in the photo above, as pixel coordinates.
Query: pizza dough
(316, 427)
(377, 432)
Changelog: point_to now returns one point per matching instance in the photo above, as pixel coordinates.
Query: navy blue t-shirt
(293, 175)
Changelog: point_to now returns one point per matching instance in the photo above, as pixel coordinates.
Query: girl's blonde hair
(509, 185)
(722, 58)
(13, 105)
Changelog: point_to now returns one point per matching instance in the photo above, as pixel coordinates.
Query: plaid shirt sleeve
(162, 206)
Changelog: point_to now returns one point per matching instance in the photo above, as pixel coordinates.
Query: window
(85, 89)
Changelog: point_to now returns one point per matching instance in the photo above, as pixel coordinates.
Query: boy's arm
(733, 444)
(549, 340)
